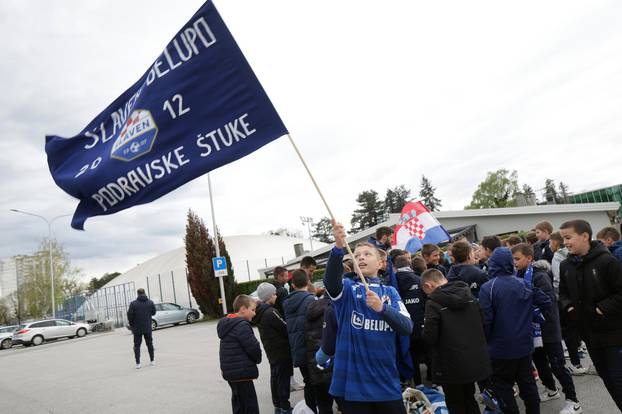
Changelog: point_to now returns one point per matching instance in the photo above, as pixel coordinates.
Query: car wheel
(37, 340)
(6, 344)
(192, 317)
(154, 325)
(81, 332)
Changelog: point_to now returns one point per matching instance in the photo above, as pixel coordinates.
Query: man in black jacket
(295, 307)
(409, 286)
(548, 358)
(320, 377)
(590, 292)
(139, 318)
(453, 329)
(282, 288)
(273, 334)
(240, 354)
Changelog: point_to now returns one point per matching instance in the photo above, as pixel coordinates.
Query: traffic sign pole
(220, 281)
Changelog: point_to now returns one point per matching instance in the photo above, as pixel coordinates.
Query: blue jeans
(608, 364)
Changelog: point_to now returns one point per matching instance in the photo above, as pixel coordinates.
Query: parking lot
(96, 374)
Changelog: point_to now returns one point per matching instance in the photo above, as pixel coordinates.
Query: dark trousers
(549, 361)
(309, 392)
(244, 398)
(323, 399)
(419, 354)
(138, 340)
(506, 372)
(384, 407)
(608, 364)
(280, 374)
(570, 334)
(460, 398)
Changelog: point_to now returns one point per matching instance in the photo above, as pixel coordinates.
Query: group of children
(490, 316)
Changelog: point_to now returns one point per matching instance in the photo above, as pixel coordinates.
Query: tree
(6, 314)
(369, 213)
(550, 193)
(426, 193)
(323, 231)
(96, 283)
(200, 250)
(528, 191)
(396, 198)
(497, 190)
(563, 193)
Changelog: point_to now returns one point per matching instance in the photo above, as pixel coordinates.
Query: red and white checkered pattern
(415, 228)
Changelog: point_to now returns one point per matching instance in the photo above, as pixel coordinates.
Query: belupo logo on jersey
(136, 137)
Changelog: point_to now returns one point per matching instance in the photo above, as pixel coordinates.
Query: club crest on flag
(416, 227)
(136, 137)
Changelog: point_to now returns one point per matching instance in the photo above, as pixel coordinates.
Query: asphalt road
(96, 374)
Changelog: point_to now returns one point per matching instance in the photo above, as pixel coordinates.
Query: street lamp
(309, 221)
(49, 223)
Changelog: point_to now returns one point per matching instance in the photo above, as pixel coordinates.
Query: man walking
(139, 317)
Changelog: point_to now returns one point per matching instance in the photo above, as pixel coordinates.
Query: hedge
(246, 288)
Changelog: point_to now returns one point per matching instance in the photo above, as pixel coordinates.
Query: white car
(6, 336)
(35, 333)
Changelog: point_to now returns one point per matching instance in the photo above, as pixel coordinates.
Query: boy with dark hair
(453, 330)
(531, 237)
(590, 293)
(365, 372)
(488, 245)
(541, 248)
(240, 354)
(382, 241)
(431, 253)
(273, 333)
(465, 269)
(295, 307)
(507, 304)
(610, 237)
(549, 358)
(418, 265)
(513, 240)
(280, 283)
(409, 287)
(308, 264)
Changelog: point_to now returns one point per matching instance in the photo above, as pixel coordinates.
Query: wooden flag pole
(330, 212)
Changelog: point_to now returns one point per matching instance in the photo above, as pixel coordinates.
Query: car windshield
(5, 329)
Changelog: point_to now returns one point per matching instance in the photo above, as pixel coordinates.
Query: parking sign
(220, 266)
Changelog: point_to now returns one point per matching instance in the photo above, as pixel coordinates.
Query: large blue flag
(198, 107)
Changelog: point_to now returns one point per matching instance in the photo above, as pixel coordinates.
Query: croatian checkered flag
(416, 227)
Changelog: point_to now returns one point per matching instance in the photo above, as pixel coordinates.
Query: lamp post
(49, 223)
(309, 222)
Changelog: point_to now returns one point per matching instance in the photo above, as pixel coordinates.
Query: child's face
(521, 262)
(368, 260)
(542, 235)
(433, 258)
(248, 313)
(309, 270)
(272, 300)
(554, 245)
(577, 244)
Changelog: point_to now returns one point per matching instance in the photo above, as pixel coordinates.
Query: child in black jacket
(240, 354)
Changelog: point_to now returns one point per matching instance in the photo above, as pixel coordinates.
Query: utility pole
(309, 222)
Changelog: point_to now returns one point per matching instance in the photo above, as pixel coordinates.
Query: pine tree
(323, 231)
(396, 198)
(369, 213)
(550, 193)
(199, 253)
(426, 193)
(229, 280)
(563, 193)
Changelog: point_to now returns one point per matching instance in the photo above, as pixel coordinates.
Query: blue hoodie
(507, 304)
(616, 250)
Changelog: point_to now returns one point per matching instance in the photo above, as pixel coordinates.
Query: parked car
(35, 333)
(172, 314)
(6, 336)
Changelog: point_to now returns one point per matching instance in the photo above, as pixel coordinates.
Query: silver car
(35, 333)
(172, 314)
(6, 336)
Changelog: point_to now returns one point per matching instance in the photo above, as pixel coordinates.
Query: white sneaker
(152, 363)
(137, 366)
(571, 407)
(548, 395)
(577, 370)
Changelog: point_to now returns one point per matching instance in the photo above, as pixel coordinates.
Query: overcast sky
(375, 93)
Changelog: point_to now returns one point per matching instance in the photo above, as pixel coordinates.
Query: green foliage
(6, 314)
(396, 198)
(246, 288)
(564, 194)
(426, 193)
(369, 213)
(528, 191)
(496, 191)
(96, 283)
(323, 231)
(550, 192)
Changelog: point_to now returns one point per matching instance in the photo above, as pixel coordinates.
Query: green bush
(246, 288)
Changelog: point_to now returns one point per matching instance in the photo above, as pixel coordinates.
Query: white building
(164, 276)
(15, 269)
